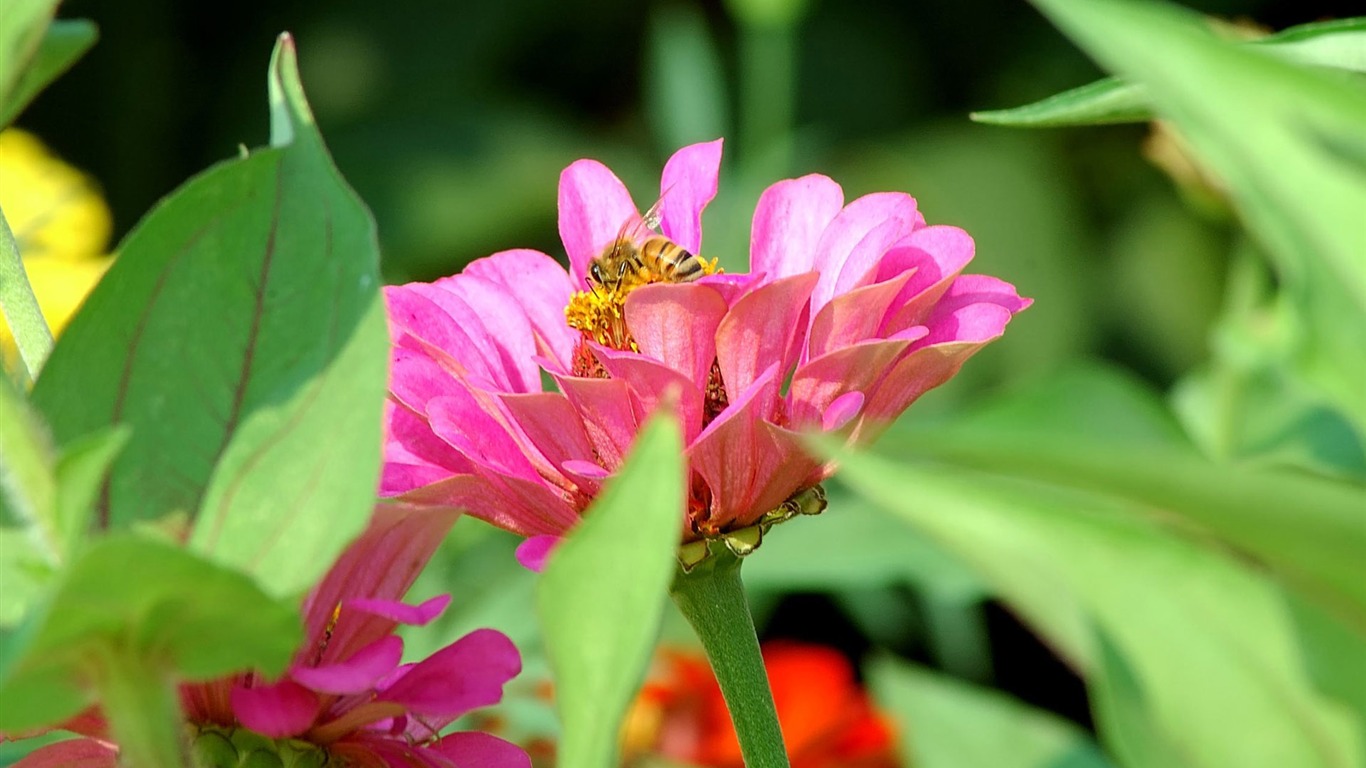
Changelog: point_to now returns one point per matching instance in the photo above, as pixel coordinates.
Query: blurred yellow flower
(61, 224)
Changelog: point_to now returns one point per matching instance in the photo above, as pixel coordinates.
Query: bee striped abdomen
(670, 260)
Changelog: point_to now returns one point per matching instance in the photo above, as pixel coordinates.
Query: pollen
(599, 314)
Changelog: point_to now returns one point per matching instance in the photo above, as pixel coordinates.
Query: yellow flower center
(599, 314)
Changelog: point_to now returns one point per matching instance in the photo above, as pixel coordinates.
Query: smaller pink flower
(346, 691)
(851, 311)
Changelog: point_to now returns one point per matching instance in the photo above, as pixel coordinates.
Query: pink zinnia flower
(346, 691)
(850, 313)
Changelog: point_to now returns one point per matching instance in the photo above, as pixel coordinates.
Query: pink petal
(499, 322)
(609, 415)
(975, 322)
(594, 205)
(524, 507)
(861, 266)
(357, 673)
(465, 675)
(535, 551)
(464, 423)
(817, 384)
(912, 376)
(472, 749)
(585, 469)
(788, 222)
(853, 317)
(762, 329)
(676, 325)
(278, 711)
(653, 384)
(409, 441)
(750, 465)
(75, 753)
(885, 216)
(416, 377)
(687, 185)
(983, 289)
(936, 255)
(733, 286)
(549, 426)
(542, 288)
(399, 612)
(439, 321)
(841, 411)
(399, 478)
(381, 564)
(587, 475)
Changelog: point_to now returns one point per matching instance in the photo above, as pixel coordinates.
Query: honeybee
(640, 246)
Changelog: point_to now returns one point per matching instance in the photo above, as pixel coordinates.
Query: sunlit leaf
(951, 724)
(241, 333)
(64, 42)
(1289, 143)
(28, 488)
(25, 21)
(602, 595)
(1340, 44)
(1124, 717)
(1105, 433)
(45, 500)
(139, 595)
(1079, 568)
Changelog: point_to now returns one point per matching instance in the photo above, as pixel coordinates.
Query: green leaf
(1340, 44)
(129, 593)
(81, 469)
(241, 333)
(602, 595)
(1083, 429)
(1248, 404)
(851, 545)
(1210, 641)
(950, 724)
(1289, 143)
(1105, 102)
(28, 488)
(1123, 715)
(44, 501)
(24, 22)
(65, 42)
(1334, 656)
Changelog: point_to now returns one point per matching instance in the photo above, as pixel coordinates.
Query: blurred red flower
(827, 718)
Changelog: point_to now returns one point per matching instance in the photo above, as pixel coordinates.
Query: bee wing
(651, 217)
(635, 229)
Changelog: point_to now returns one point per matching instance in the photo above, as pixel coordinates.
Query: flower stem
(20, 306)
(143, 709)
(712, 599)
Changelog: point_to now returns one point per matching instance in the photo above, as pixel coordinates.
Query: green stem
(142, 706)
(20, 306)
(712, 599)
